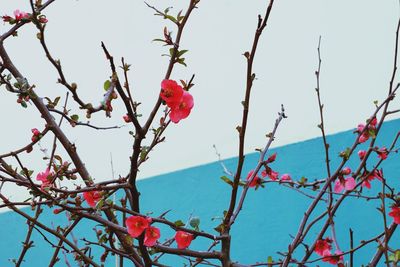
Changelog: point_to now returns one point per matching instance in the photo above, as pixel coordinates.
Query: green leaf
(55, 102)
(227, 180)
(269, 260)
(219, 228)
(182, 61)
(23, 104)
(180, 53)
(345, 154)
(179, 223)
(107, 85)
(75, 117)
(195, 223)
(158, 40)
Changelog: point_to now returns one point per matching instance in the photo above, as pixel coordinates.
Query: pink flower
(362, 154)
(136, 225)
(183, 239)
(273, 175)
(256, 180)
(383, 153)
(171, 92)
(347, 184)
(395, 213)
(45, 177)
(286, 177)
(151, 236)
(19, 15)
(92, 197)
(183, 108)
(126, 118)
(323, 246)
(346, 171)
(333, 259)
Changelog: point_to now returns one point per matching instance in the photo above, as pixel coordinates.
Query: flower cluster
(92, 197)
(342, 183)
(18, 16)
(371, 176)
(323, 248)
(368, 132)
(36, 135)
(178, 100)
(136, 225)
(273, 175)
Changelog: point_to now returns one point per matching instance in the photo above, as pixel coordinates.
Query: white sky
(357, 53)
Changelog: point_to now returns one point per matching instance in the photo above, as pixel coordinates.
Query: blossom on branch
(151, 236)
(183, 239)
(92, 197)
(136, 225)
(178, 100)
(395, 213)
(256, 180)
(45, 177)
(342, 183)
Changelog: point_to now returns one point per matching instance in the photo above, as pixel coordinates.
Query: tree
(135, 236)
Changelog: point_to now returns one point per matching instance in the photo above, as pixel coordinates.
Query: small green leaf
(179, 223)
(180, 53)
(227, 180)
(107, 85)
(55, 102)
(75, 117)
(195, 223)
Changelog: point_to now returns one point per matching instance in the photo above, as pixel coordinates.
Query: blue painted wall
(270, 214)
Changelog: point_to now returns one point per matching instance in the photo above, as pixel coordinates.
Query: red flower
(151, 236)
(323, 246)
(35, 132)
(126, 118)
(256, 180)
(136, 225)
(395, 213)
(362, 154)
(92, 197)
(171, 92)
(375, 174)
(183, 239)
(383, 153)
(182, 109)
(45, 177)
